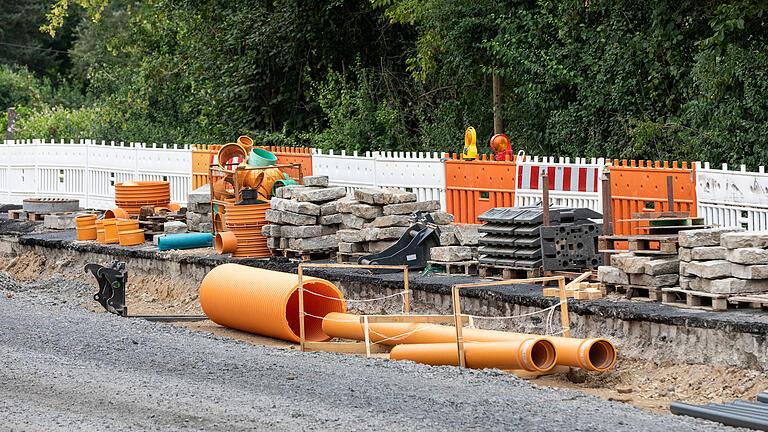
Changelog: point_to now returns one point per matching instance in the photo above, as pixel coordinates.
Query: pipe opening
(602, 355)
(313, 305)
(543, 355)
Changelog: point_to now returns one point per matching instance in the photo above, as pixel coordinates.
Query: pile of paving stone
(304, 218)
(632, 272)
(724, 261)
(198, 211)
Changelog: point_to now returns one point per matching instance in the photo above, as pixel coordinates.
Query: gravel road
(63, 367)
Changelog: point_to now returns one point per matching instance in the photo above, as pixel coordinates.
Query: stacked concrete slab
(305, 218)
(635, 272)
(199, 210)
(724, 261)
(373, 219)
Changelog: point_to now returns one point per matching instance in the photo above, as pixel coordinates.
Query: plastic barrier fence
(88, 170)
(473, 187)
(732, 198)
(642, 186)
(574, 184)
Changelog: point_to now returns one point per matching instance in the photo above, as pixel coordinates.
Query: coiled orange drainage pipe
(266, 302)
(594, 354)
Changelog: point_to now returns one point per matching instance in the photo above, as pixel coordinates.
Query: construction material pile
(199, 210)
(376, 218)
(132, 196)
(512, 240)
(304, 218)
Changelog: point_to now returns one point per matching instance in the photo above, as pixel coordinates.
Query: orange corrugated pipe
(594, 354)
(535, 354)
(266, 302)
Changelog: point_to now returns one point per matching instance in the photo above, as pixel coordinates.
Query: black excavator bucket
(413, 247)
(112, 282)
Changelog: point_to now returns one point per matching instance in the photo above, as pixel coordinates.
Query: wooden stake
(607, 213)
(545, 197)
(670, 193)
(406, 294)
(301, 306)
(459, 325)
(564, 309)
(367, 338)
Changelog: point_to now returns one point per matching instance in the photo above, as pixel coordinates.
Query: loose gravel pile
(55, 290)
(64, 368)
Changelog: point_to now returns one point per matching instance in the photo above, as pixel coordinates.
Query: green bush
(58, 123)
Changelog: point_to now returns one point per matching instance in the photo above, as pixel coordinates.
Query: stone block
(205, 227)
(365, 211)
(331, 219)
(704, 237)
(156, 238)
(327, 242)
(320, 195)
(202, 208)
(662, 266)
(306, 208)
(618, 260)
(273, 243)
(612, 275)
(350, 247)
(287, 191)
(684, 254)
(319, 180)
(373, 196)
(450, 253)
(442, 218)
(175, 227)
(271, 230)
(349, 236)
(705, 253)
(305, 231)
(735, 240)
(729, 285)
(758, 271)
(710, 269)
(291, 218)
(663, 280)
(391, 220)
(194, 219)
(410, 207)
(685, 282)
(352, 221)
(201, 195)
(345, 204)
(448, 239)
(467, 235)
(329, 208)
(684, 269)
(60, 221)
(747, 256)
(284, 243)
(400, 196)
(379, 246)
(635, 264)
(389, 233)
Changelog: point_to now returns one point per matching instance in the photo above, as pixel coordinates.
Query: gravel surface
(64, 368)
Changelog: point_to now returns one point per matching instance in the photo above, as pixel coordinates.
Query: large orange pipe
(266, 302)
(535, 354)
(595, 354)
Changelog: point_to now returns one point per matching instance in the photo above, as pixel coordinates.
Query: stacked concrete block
(640, 272)
(199, 209)
(304, 219)
(724, 261)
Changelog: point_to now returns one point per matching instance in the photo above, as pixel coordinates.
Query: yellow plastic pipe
(266, 302)
(595, 354)
(534, 354)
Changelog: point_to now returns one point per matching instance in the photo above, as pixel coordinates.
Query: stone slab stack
(304, 219)
(373, 219)
(724, 261)
(199, 210)
(639, 276)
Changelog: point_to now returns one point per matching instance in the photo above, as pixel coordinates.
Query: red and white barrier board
(574, 184)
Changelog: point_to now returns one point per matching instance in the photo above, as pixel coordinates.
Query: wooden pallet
(645, 244)
(34, 217)
(457, 267)
(633, 292)
(306, 256)
(694, 299)
(506, 272)
(755, 301)
(584, 291)
(349, 257)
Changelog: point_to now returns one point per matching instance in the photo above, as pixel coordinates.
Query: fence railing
(88, 170)
(732, 198)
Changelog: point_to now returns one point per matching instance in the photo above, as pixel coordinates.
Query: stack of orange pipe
(132, 196)
(100, 233)
(128, 232)
(593, 354)
(245, 221)
(110, 231)
(85, 226)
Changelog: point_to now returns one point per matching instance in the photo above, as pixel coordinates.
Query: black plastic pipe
(727, 417)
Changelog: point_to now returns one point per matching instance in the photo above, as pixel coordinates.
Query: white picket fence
(420, 173)
(732, 198)
(88, 170)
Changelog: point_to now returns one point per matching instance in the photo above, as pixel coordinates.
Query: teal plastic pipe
(261, 158)
(185, 241)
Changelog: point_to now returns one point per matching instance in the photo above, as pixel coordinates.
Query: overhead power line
(33, 47)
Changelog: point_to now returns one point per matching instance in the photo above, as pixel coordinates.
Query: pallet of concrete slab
(755, 301)
(307, 255)
(349, 257)
(507, 272)
(468, 268)
(633, 292)
(640, 244)
(694, 299)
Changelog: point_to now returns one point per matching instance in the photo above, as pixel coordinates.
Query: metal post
(545, 197)
(670, 194)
